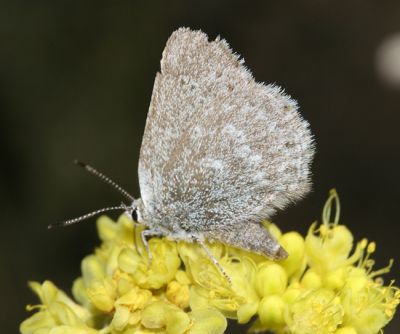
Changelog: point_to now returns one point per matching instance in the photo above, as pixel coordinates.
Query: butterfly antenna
(87, 216)
(104, 178)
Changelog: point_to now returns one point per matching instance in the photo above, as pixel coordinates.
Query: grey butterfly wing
(220, 152)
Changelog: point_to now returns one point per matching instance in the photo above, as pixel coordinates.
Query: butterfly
(220, 151)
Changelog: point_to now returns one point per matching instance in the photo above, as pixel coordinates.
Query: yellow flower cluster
(322, 287)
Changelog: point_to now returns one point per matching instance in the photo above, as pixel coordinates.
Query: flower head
(326, 285)
(316, 311)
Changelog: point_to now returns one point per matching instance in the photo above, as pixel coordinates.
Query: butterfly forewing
(219, 150)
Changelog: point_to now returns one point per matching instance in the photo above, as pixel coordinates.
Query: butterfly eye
(134, 215)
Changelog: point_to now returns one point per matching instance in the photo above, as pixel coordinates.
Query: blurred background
(76, 79)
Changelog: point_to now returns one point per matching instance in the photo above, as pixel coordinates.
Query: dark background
(75, 82)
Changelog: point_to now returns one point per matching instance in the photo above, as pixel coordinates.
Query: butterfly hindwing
(219, 149)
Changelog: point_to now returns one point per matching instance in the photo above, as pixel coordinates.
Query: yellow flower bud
(106, 228)
(121, 317)
(293, 243)
(124, 285)
(47, 291)
(271, 279)
(129, 260)
(271, 311)
(246, 311)
(291, 293)
(335, 279)
(125, 229)
(79, 292)
(311, 280)
(102, 294)
(92, 269)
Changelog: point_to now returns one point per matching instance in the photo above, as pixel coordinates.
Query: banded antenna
(104, 178)
(129, 209)
(87, 216)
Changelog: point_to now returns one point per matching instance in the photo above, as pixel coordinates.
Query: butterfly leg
(214, 260)
(148, 234)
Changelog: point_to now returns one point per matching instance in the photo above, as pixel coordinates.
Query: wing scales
(219, 149)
